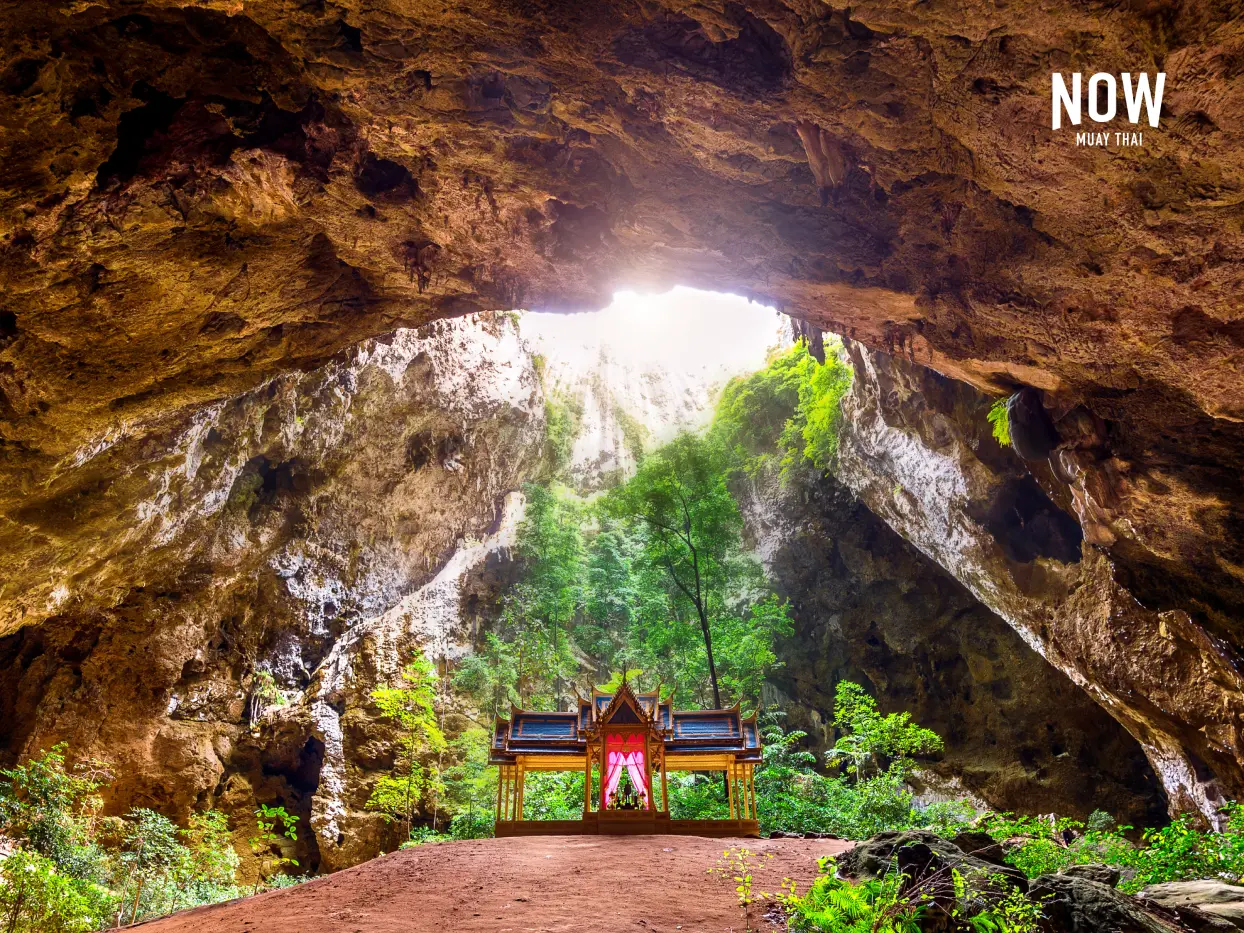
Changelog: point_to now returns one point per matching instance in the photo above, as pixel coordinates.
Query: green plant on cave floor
(53, 808)
(150, 853)
(869, 738)
(738, 866)
(274, 825)
(37, 898)
(891, 903)
(411, 707)
(1179, 851)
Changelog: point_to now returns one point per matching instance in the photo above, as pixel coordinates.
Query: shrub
(890, 904)
(272, 825)
(790, 409)
(1179, 851)
(871, 797)
(476, 824)
(36, 898)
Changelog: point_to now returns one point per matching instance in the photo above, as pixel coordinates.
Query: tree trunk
(708, 648)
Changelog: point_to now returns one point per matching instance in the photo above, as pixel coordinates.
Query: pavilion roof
(686, 732)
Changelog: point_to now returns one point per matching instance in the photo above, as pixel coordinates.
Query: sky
(684, 330)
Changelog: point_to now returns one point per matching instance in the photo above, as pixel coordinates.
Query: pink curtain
(625, 751)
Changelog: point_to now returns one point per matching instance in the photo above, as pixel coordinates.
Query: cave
(1028, 525)
(307, 305)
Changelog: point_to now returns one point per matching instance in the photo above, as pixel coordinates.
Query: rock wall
(199, 202)
(869, 607)
(266, 536)
(918, 452)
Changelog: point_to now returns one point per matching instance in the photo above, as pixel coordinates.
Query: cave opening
(682, 330)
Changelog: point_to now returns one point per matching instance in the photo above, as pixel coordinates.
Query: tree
(52, 807)
(617, 678)
(692, 524)
(274, 824)
(868, 737)
(490, 676)
(412, 707)
(150, 852)
(208, 868)
(550, 544)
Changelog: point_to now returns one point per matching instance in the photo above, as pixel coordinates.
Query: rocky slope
(274, 540)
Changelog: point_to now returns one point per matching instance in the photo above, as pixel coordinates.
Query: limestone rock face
(919, 454)
(1212, 897)
(869, 607)
(202, 205)
(194, 197)
(255, 545)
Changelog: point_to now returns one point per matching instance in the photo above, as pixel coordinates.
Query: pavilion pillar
(518, 796)
(587, 782)
(497, 817)
(665, 791)
(751, 784)
(731, 790)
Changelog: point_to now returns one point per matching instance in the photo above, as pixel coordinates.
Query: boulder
(1076, 904)
(982, 846)
(1103, 874)
(919, 853)
(1225, 901)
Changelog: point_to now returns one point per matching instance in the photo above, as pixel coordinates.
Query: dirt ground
(585, 884)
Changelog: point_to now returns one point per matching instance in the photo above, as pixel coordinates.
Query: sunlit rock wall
(919, 453)
(253, 538)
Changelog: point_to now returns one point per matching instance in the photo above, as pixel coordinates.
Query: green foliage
(697, 796)
(477, 824)
(64, 877)
(424, 835)
(691, 572)
(792, 796)
(818, 419)
(834, 905)
(600, 590)
(889, 904)
(273, 824)
(1000, 421)
(207, 869)
(737, 867)
(52, 809)
(617, 678)
(37, 898)
(869, 738)
(553, 795)
(634, 433)
(754, 410)
(470, 786)
(788, 412)
(411, 706)
(563, 418)
(1179, 851)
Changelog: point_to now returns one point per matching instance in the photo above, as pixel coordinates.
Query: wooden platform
(629, 824)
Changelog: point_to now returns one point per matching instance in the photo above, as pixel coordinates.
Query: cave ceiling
(195, 198)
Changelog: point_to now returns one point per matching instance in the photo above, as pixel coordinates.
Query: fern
(1000, 418)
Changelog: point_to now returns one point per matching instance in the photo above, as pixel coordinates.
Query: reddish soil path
(549, 884)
